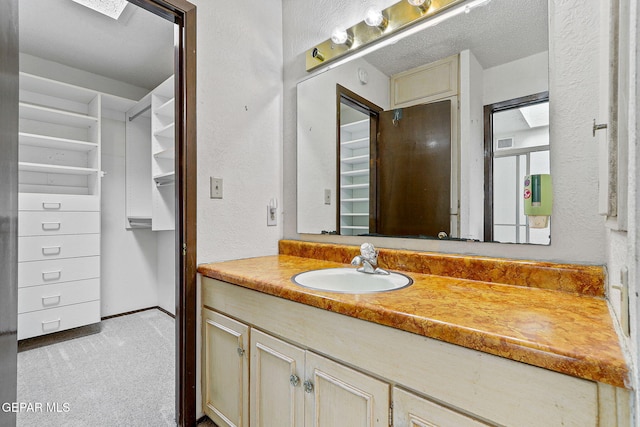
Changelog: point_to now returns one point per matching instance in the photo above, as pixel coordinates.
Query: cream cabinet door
(225, 369)
(410, 410)
(277, 373)
(337, 396)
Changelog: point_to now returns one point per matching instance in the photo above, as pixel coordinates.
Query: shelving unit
(138, 164)
(354, 172)
(163, 156)
(59, 206)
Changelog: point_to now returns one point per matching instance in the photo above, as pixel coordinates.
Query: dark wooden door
(413, 171)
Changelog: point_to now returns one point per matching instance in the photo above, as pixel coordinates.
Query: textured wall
(239, 126)
(577, 229)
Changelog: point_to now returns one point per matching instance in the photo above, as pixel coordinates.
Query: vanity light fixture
(112, 8)
(423, 5)
(375, 18)
(388, 23)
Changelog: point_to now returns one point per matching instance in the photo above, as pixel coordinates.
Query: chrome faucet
(368, 258)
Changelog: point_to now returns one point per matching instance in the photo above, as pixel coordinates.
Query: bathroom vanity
(482, 342)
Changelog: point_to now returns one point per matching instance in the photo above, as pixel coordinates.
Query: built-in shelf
(48, 168)
(44, 86)
(354, 186)
(356, 199)
(46, 141)
(139, 221)
(166, 132)
(354, 227)
(169, 153)
(167, 109)
(354, 173)
(354, 144)
(355, 126)
(165, 178)
(355, 159)
(51, 115)
(354, 214)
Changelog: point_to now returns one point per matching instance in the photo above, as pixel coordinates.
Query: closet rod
(140, 112)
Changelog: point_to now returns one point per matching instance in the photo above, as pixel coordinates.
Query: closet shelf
(356, 172)
(48, 168)
(44, 86)
(354, 144)
(45, 141)
(354, 186)
(169, 153)
(166, 132)
(354, 227)
(355, 159)
(51, 115)
(165, 179)
(355, 126)
(355, 214)
(139, 221)
(167, 109)
(355, 199)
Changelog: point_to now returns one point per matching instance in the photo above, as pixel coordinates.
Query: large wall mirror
(432, 136)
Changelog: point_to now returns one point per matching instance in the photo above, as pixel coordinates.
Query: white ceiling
(136, 49)
(497, 32)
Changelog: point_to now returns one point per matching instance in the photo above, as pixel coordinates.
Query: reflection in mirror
(398, 176)
(519, 146)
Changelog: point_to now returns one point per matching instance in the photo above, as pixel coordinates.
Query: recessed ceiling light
(111, 8)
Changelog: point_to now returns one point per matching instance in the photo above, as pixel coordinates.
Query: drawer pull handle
(51, 275)
(49, 226)
(46, 323)
(50, 303)
(51, 250)
(51, 205)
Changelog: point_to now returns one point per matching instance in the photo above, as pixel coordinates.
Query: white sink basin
(350, 281)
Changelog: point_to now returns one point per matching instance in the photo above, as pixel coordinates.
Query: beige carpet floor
(123, 375)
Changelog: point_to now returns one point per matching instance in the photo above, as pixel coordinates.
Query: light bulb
(339, 36)
(375, 18)
(423, 5)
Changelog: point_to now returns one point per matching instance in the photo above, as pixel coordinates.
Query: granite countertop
(566, 332)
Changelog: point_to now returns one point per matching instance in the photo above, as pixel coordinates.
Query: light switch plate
(215, 188)
(271, 216)
(327, 196)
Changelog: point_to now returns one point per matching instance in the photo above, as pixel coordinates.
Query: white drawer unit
(46, 297)
(60, 128)
(38, 248)
(51, 223)
(58, 202)
(37, 273)
(57, 319)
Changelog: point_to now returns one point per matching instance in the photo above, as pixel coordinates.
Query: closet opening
(107, 193)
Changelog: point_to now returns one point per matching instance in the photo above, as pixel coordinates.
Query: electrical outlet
(327, 196)
(215, 188)
(623, 288)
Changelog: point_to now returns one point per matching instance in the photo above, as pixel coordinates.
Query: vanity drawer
(57, 202)
(53, 223)
(36, 248)
(57, 319)
(36, 273)
(45, 297)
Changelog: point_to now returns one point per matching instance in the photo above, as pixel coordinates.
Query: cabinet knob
(294, 380)
(240, 352)
(308, 386)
